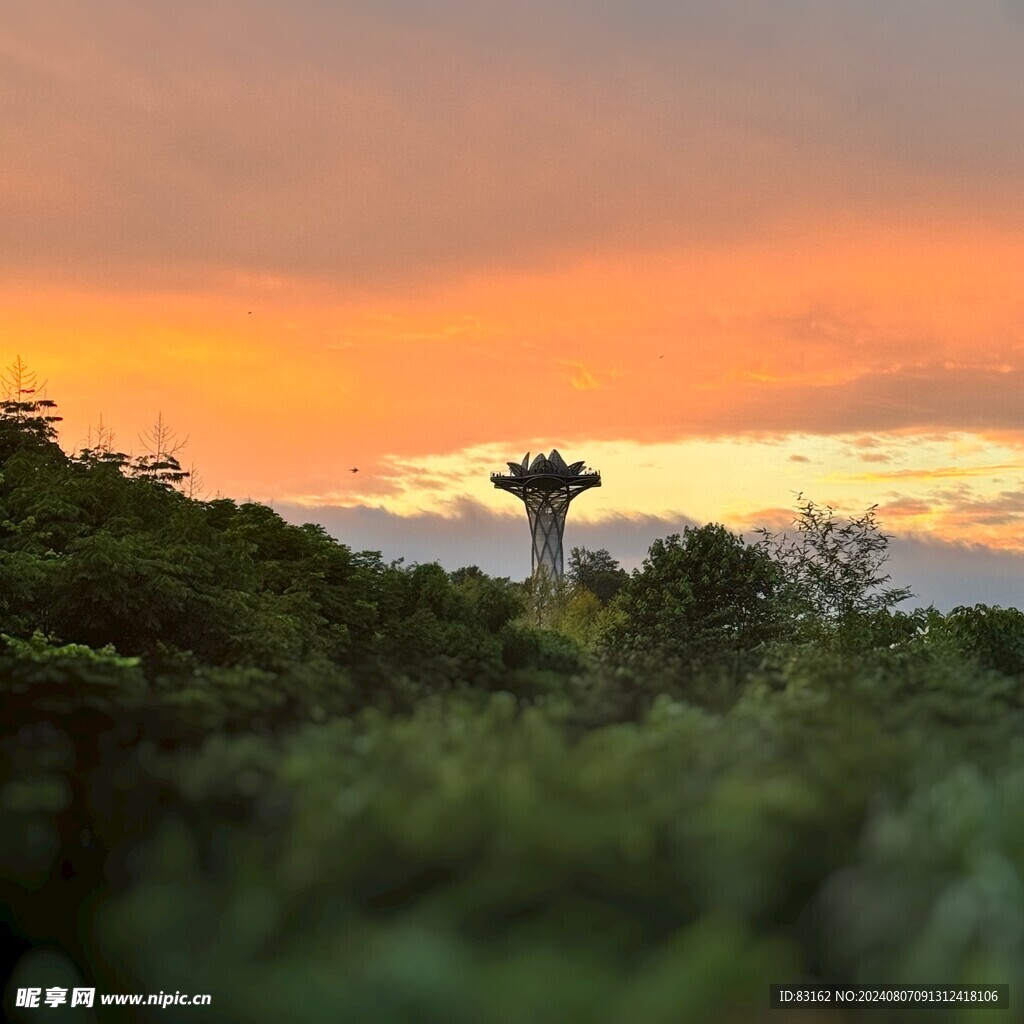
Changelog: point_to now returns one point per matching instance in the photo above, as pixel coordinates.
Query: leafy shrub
(38, 676)
(835, 581)
(993, 635)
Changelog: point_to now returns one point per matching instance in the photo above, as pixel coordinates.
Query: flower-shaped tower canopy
(546, 486)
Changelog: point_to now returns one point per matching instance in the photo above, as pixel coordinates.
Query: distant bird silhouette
(353, 470)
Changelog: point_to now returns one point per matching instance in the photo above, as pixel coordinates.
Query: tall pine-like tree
(159, 461)
(26, 415)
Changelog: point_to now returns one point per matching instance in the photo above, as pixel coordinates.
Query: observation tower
(546, 486)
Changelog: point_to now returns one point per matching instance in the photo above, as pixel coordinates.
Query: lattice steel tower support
(546, 486)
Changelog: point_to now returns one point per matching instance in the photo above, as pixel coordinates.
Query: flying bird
(353, 470)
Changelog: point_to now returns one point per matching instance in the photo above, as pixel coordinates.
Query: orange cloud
(936, 473)
(331, 235)
(282, 368)
(581, 378)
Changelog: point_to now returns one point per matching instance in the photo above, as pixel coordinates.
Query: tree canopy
(697, 591)
(596, 571)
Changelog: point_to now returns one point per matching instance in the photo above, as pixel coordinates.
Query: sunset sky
(724, 250)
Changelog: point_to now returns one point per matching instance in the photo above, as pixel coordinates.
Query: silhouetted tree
(597, 572)
(159, 462)
(99, 448)
(26, 414)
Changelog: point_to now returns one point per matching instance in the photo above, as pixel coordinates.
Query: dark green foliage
(545, 649)
(39, 677)
(699, 592)
(27, 416)
(492, 602)
(993, 635)
(597, 572)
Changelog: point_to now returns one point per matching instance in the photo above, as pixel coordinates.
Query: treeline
(98, 550)
(242, 758)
